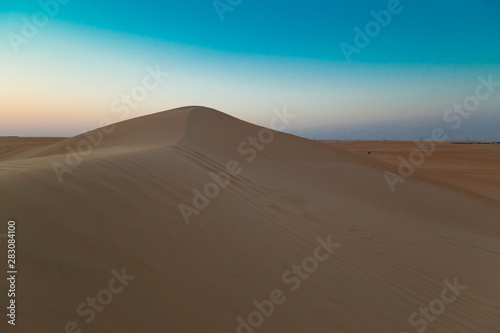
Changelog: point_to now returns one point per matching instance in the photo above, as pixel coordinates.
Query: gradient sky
(263, 55)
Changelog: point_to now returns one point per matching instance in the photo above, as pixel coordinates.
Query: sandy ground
(301, 236)
(11, 146)
(475, 167)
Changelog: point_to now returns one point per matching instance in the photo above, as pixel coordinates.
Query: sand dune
(119, 208)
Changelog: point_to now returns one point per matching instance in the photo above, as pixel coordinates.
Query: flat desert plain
(472, 166)
(190, 220)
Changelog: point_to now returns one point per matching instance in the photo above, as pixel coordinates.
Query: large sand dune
(119, 208)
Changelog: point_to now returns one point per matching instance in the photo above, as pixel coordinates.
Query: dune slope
(199, 268)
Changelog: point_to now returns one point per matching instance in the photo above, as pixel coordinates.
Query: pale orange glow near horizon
(66, 81)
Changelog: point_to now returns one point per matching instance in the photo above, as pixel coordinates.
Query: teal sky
(247, 59)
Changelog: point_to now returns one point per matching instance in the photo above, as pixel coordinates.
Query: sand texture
(119, 208)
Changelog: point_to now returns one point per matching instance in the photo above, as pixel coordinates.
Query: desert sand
(471, 166)
(118, 209)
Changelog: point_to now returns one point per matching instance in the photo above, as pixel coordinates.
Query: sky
(347, 69)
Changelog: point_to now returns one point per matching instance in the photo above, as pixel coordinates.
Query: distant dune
(224, 262)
